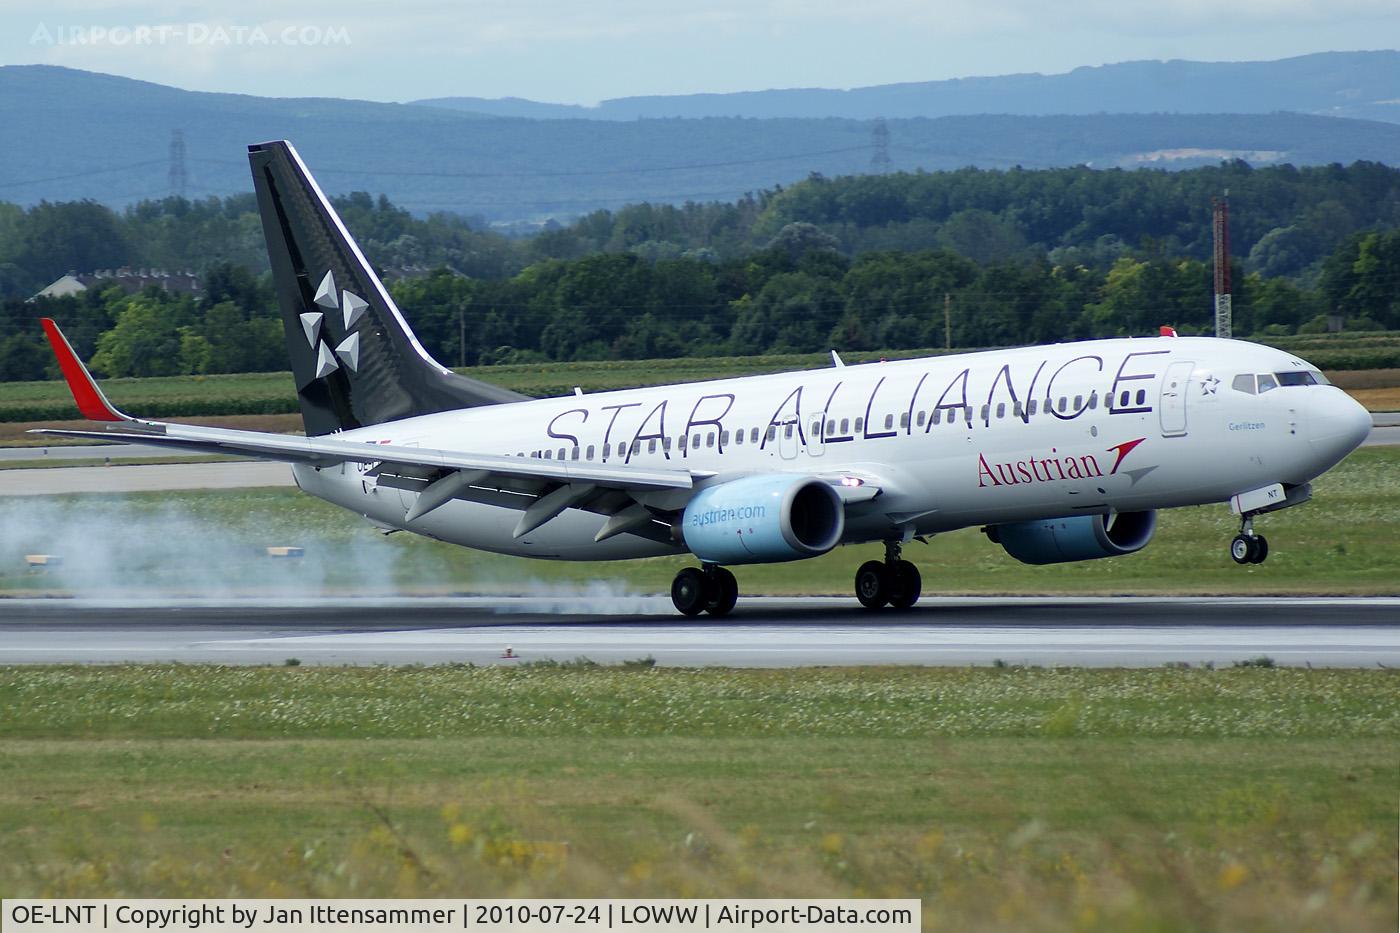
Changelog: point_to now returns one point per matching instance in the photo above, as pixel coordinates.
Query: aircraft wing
(437, 475)
(325, 451)
(634, 499)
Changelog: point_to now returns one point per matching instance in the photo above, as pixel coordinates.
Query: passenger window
(845, 425)
(1031, 410)
(548, 455)
(695, 442)
(787, 429)
(938, 416)
(1244, 382)
(574, 455)
(904, 420)
(816, 429)
(1142, 396)
(739, 436)
(1063, 404)
(1001, 410)
(651, 446)
(666, 444)
(921, 419)
(831, 427)
(986, 413)
(723, 438)
(591, 451)
(889, 422)
(1123, 400)
(561, 453)
(1079, 403)
(753, 436)
(710, 439)
(860, 423)
(772, 432)
(1093, 400)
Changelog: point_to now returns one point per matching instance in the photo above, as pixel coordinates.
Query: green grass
(1003, 798)
(271, 393)
(1342, 542)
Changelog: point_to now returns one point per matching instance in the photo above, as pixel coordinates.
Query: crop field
(211, 543)
(1028, 799)
(270, 394)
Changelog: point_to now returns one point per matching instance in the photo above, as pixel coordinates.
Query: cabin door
(1172, 405)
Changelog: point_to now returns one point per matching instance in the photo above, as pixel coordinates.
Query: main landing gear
(1248, 547)
(709, 589)
(891, 582)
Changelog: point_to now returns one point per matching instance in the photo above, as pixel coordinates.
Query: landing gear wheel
(873, 584)
(1242, 549)
(905, 583)
(723, 592)
(688, 591)
(1261, 550)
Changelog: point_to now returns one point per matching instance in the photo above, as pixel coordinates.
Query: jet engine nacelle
(763, 519)
(1079, 537)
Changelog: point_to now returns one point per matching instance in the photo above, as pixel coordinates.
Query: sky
(572, 51)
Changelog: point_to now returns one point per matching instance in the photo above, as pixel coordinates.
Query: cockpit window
(1252, 383)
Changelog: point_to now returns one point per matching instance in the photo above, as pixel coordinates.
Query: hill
(107, 138)
(1364, 85)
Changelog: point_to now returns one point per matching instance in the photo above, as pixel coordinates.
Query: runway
(764, 632)
(242, 474)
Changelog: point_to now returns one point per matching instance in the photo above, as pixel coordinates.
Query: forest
(952, 259)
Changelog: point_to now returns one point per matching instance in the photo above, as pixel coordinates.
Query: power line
(96, 171)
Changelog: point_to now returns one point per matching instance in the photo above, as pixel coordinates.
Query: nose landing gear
(893, 582)
(709, 589)
(1248, 547)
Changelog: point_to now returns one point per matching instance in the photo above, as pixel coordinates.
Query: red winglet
(1166, 330)
(91, 402)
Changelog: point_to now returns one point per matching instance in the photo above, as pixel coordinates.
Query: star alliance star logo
(352, 308)
(1209, 385)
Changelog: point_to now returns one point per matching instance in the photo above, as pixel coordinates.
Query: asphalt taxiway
(765, 632)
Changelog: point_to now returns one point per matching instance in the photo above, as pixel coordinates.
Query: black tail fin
(355, 360)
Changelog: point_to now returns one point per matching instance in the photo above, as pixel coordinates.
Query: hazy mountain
(1350, 84)
(76, 135)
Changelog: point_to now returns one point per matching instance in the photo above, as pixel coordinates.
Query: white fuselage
(952, 441)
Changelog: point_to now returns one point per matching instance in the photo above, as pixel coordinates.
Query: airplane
(1060, 453)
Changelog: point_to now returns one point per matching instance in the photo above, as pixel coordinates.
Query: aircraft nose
(1338, 424)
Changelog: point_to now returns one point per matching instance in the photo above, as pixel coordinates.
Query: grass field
(210, 543)
(271, 395)
(1005, 798)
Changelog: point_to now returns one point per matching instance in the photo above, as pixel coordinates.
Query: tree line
(969, 258)
(801, 294)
